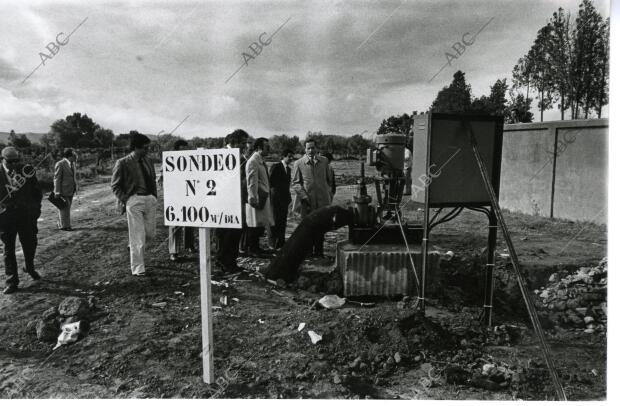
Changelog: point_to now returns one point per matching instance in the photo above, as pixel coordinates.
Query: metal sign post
(202, 189)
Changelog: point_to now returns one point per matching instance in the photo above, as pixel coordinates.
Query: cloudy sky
(334, 66)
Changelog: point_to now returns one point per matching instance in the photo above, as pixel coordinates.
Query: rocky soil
(144, 334)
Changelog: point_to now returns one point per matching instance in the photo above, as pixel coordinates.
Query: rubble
(577, 300)
(74, 306)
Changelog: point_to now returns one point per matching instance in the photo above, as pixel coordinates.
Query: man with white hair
(20, 207)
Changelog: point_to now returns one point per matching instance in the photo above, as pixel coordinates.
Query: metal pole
(529, 303)
(490, 265)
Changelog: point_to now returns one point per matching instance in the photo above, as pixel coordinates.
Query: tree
(12, 138)
(103, 137)
(75, 131)
(357, 145)
(495, 103)
(396, 124)
(455, 98)
(279, 143)
(602, 76)
(560, 53)
(589, 50)
(523, 107)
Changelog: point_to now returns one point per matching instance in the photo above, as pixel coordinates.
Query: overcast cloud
(335, 66)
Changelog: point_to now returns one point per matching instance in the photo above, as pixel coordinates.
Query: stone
(48, 330)
(582, 310)
(588, 319)
(561, 306)
(50, 313)
(588, 331)
(397, 358)
(303, 282)
(92, 303)
(356, 362)
(74, 306)
(554, 277)
(32, 326)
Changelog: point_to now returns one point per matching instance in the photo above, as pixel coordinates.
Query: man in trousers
(65, 185)
(134, 184)
(20, 207)
(280, 180)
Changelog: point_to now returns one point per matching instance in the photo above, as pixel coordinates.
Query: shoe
(66, 229)
(10, 289)
(34, 275)
(139, 274)
(174, 257)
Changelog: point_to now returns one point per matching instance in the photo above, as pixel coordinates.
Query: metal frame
(483, 206)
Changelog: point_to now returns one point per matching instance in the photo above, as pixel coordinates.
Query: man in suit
(311, 183)
(65, 185)
(227, 239)
(280, 180)
(258, 212)
(133, 183)
(20, 207)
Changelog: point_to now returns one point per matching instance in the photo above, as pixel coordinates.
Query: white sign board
(202, 188)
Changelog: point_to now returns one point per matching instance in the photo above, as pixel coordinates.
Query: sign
(202, 188)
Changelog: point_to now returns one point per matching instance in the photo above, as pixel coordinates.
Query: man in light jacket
(258, 209)
(311, 183)
(133, 183)
(65, 185)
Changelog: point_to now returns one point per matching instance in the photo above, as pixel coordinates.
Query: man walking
(258, 209)
(133, 183)
(65, 185)
(20, 207)
(311, 183)
(280, 180)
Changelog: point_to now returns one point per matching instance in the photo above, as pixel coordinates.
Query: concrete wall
(556, 169)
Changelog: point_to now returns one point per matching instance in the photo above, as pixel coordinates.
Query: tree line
(567, 67)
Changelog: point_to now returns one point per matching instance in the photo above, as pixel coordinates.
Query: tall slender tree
(455, 98)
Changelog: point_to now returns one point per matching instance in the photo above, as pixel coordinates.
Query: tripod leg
(529, 303)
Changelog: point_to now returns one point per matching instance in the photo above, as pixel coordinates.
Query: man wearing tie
(65, 185)
(311, 182)
(280, 180)
(133, 183)
(20, 207)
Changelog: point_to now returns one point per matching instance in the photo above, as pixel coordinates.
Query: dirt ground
(145, 338)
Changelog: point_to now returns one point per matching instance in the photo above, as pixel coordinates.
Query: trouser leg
(244, 241)
(28, 240)
(150, 216)
(279, 229)
(318, 243)
(64, 215)
(175, 235)
(188, 238)
(137, 233)
(10, 262)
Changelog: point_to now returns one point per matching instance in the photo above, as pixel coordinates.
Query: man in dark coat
(20, 207)
(227, 239)
(280, 180)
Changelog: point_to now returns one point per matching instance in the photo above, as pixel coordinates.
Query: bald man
(20, 207)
